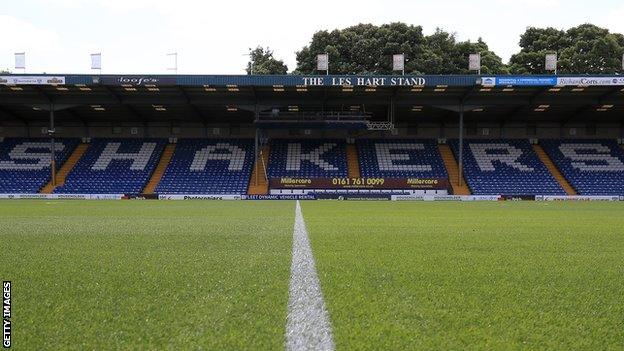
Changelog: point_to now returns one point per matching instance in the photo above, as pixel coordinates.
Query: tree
(368, 49)
(490, 62)
(586, 49)
(5, 71)
(261, 61)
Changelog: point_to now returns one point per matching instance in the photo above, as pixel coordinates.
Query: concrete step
(453, 171)
(67, 167)
(258, 183)
(552, 168)
(163, 163)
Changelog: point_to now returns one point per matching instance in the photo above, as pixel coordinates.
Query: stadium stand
(308, 158)
(593, 167)
(114, 166)
(400, 158)
(505, 167)
(217, 166)
(25, 163)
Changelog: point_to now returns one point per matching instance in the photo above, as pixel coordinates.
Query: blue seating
(508, 167)
(592, 167)
(401, 158)
(308, 158)
(114, 166)
(215, 167)
(25, 163)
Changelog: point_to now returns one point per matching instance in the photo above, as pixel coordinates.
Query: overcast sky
(211, 37)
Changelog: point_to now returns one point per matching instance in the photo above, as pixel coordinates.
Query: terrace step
(552, 168)
(353, 163)
(453, 171)
(67, 167)
(165, 158)
(258, 183)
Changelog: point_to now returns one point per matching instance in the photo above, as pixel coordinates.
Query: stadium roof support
(5, 111)
(461, 145)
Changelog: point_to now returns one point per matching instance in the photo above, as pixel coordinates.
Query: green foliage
(586, 49)
(368, 49)
(261, 61)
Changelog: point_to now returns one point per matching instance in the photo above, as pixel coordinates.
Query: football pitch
(393, 275)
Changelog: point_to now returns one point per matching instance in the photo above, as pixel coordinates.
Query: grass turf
(461, 276)
(214, 275)
(147, 275)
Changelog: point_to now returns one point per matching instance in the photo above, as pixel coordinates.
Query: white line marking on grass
(308, 326)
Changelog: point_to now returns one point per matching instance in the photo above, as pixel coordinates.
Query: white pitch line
(308, 326)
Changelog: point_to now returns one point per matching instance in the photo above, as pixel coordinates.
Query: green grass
(147, 275)
(461, 276)
(395, 276)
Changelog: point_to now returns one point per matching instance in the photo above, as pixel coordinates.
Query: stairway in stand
(552, 168)
(453, 170)
(165, 158)
(353, 163)
(258, 183)
(61, 176)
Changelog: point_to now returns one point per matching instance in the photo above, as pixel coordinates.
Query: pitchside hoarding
(360, 183)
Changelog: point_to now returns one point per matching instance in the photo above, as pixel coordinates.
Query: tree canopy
(261, 61)
(586, 49)
(368, 49)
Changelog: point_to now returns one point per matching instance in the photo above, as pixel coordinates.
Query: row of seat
(323, 158)
(400, 158)
(594, 167)
(209, 167)
(223, 166)
(25, 165)
(114, 166)
(505, 167)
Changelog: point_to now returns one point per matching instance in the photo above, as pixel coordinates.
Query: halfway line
(308, 326)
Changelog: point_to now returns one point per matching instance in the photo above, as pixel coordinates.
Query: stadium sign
(137, 80)
(370, 81)
(550, 81)
(445, 197)
(519, 81)
(288, 80)
(359, 183)
(198, 197)
(576, 198)
(32, 80)
(590, 81)
(280, 197)
(63, 196)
